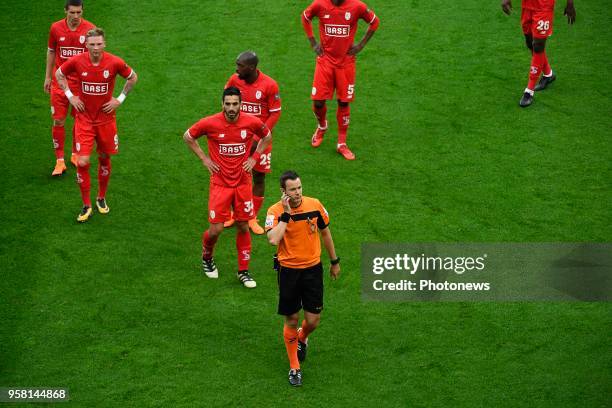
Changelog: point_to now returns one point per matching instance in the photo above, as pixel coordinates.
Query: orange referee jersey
(301, 246)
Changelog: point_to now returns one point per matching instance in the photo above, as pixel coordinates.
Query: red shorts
(328, 77)
(222, 199)
(263, 165)
(104, 135)
(59, 103)
(538, 23)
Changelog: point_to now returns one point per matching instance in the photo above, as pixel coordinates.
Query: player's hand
(210, 165)
(355, 49)
(248, 164)
(77, 103)
(570, 12)
(47, 85)
(111, 105)
(317, 49)
(506, 6)
(334, 271)
(285, 201)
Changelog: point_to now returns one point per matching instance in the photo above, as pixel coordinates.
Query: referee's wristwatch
(335, 261)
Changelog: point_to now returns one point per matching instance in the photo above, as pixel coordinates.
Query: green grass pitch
(117, 309)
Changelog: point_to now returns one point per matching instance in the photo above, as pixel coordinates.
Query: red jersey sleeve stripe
(373, 18)
(274, 110)
(305, 16)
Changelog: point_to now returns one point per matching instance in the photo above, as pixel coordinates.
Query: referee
(294, 224)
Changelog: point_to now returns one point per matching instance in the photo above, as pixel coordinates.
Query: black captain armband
(285, 217)
(335, 261)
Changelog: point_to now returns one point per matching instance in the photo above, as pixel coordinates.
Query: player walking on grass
(261, 98)
(537, 22)
(294, 224)
(229, 161)
(95, 120)
(335, 63)
(66, 39)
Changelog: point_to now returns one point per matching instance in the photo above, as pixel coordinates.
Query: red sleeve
(274, 105)
(123, 69)
(259, 128)
(52, 43)
(369, 17)
(307, 16)
(69, 66)
(198, 129)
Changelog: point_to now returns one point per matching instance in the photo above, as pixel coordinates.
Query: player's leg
(310, 285)
(85, 135)
(243, 212)
(322, 89)
(259, 189)
(219, 204)
(289, 305)
(345, 92)
(541, 29)
(59, 111)
(108, 144)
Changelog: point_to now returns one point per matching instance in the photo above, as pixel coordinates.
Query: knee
(242, 226)
(83, 161)
(319, 104)
(59, 122)
(539, 46)
(291, 321)
(313, 321)
(343, 104)
(215, 230)
(529, 42)
(258, 178)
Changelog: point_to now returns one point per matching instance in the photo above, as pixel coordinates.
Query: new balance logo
(67, 52)
(337, 30)
(235, 149)
(251, 108)
(94, 88)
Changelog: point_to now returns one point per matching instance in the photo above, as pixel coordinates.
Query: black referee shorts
(300, 288)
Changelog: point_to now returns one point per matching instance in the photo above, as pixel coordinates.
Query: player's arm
(570, 11)
(307, 16)
(506, 6)
(328, 242)
(63, 84)
(263, 144)
(276, 234)
(373, 21)
(193, 144)
(114, 103)
(49, 69)
(274, 104)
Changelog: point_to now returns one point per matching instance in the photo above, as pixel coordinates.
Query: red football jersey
(96, 83)
(338, 25)
(229, 145)
(259, 98)
(539, 4)
(67, 43)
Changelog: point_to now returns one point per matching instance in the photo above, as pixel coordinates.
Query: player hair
(231, 91)
(288, 175)
(95, 32)
(73, 3)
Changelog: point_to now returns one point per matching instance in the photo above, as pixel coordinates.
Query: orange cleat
(345, 152)
(317, 138)
(73, 159)
(60, 167)
(255, 227)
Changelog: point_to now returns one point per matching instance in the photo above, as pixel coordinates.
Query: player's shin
(320, 113)
(343, 115)
(59, 136)
(104, 173)
(290, 335)
(208, 245)
(537, 62)
(243, 246)
(84, 182)
(257, 202)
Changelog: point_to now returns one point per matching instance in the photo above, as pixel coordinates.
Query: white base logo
(212, 214)
(314, 90)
